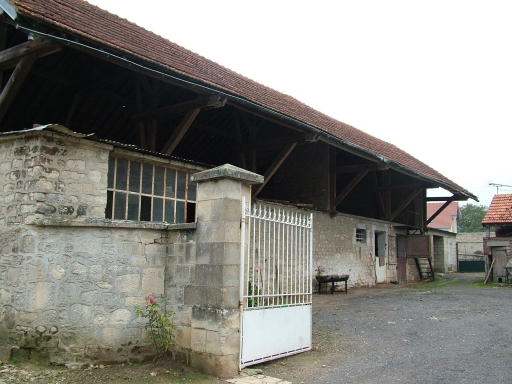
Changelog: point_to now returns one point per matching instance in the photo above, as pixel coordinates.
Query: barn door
(418, 246)
(401, 260)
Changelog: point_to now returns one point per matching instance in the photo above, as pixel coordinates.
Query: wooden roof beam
(14, 83)
(357, 178)
(436, 213)
(405, 203)
(362, 167)
(274, 167)
(38, 47)
(180, 131)
(181, 108)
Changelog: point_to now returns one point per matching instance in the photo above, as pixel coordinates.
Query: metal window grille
(148, 192)
(361, 235)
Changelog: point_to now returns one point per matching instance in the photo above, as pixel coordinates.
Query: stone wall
(335, 248)
(51, 178)
(470, 246)
(69, 278)
(69, 301)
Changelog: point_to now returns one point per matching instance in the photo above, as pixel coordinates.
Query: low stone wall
(68, 294)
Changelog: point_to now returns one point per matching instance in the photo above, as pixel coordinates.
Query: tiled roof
(500, 210)
(91, 23)
(444, 219)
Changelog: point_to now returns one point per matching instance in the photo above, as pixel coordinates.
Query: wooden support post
(14, 83)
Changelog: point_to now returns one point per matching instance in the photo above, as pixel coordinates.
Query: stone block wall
(51, 178)
(69, 278)
(335, 248)
(66, 301)
(470, 246)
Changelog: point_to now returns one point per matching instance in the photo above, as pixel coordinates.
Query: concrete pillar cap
(228, 171)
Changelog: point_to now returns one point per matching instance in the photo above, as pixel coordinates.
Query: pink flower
(151, 301)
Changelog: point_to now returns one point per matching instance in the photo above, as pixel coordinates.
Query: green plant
(252, 291)
(159, 326)
(319, 270)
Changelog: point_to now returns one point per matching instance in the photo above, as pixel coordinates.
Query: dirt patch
(165, 371)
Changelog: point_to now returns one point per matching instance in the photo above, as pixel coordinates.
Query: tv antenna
(498, 186)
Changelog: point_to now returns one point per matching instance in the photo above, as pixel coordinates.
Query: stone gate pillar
(214, 291)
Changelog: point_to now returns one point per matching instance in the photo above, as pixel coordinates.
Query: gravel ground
(450, 331)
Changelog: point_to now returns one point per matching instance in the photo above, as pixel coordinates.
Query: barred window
(361, 236)
(148, 192)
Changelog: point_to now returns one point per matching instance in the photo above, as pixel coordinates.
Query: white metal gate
(275, 283)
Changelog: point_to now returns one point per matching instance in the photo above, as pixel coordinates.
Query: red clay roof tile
(500, 210)
(96, 25)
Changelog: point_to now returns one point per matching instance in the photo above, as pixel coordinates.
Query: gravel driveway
(449, 331)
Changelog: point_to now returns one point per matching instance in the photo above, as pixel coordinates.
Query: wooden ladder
(425, 269)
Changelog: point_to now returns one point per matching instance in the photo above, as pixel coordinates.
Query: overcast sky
(432, 77)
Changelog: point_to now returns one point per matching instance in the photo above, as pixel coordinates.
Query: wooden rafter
(181, 108)
(274, 167)
(441, 209)
(357, 178)
(36, 48)
(401, 187)
(405, 203)
(180, 131)
(14, 83)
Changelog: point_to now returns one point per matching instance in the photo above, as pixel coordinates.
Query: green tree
(470, 217)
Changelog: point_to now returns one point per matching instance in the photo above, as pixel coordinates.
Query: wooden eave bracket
(349, 188)
(274, 167)
(405, 203)
(441, 209)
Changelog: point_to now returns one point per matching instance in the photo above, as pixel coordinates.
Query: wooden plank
(274, 167)
(405, 203)
(362, 167)
(180, 131)
(38, 48)
(357, 178)
(14, 83)
(181, 108)
(275, 143)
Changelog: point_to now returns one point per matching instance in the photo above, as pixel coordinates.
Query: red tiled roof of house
(500, 210)
(96, 25)
(444, 219)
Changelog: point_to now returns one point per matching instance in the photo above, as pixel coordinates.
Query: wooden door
(401, 258)
(499, 255)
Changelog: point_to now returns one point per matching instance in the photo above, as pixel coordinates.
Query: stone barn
(131, 166)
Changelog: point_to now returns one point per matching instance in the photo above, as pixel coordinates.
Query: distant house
(447, 220)
(498, 249)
